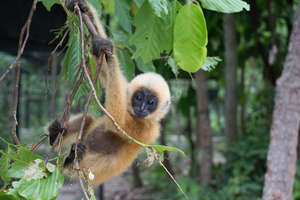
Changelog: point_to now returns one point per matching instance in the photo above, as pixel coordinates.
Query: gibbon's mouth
(140, 114)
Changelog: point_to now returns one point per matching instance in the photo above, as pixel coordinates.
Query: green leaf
(173, 65)
(109, 6)
(20, 161)
(72, 56)
(145, 67)
(122, 8)
(160, 7)
(162, 148)
(35, 170)
(152, 36)
(49, 3)
(210, 63)
(4, 164)
(127, 64)
(6, 196)
(225, 6)
(190, 38)
(41, 189)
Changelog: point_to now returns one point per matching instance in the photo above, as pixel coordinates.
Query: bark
(203, 129)
(282, 154)
(243, 106)
(230, 78)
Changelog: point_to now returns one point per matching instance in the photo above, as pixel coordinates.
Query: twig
(22, 43)
(15, 105)
(36, 146)
(172, 177)
(75, 86)
(61, 41)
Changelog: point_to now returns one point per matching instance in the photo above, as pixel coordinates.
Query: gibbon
(137, 106)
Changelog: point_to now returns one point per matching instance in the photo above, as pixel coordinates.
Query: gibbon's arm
(111, 77)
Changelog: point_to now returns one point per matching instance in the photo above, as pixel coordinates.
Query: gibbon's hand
(81, 3)
(54, 130)
(102, 45)
(80, 153)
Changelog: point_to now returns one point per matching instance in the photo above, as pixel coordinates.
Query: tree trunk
(203, 129)
(230, 78)
(243, 105)
(282, 154)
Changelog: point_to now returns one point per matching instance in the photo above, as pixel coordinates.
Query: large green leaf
(49, 3)
(41, 189)
(20, 161)
(190, 38)
(152, 34)
(123, 14)
(127, 64)
(160, 7)
(145, 67)
(225, 6)
(72, 56)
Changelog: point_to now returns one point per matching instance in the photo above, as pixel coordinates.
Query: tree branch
(22, 43)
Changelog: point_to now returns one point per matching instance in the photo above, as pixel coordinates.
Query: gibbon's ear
(148, 85)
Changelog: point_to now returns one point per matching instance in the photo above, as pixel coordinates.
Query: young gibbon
(137, 107)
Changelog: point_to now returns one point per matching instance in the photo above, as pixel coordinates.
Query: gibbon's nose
(142, 107)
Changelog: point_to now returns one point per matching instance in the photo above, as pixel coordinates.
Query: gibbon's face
(144, 102)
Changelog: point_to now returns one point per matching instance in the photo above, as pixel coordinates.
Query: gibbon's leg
(71, 127)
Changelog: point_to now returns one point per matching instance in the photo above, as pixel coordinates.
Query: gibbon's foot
(71, 156)
(54, 129)
(102, 45)
(81, 3)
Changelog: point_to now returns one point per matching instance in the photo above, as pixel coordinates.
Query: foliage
(26, 177)
(225, 6)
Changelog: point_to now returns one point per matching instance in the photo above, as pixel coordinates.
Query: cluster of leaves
(25, 176)
(161, 28)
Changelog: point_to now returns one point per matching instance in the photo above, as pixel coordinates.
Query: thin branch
(79, 136)
(37, 145)
(22, 43)
(15, 105)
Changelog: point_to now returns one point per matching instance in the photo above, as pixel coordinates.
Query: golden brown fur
(107, 152)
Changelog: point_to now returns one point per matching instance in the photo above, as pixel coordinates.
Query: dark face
(144, 102)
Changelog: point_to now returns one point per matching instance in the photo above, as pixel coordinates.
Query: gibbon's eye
(150, 102)
(139, 97)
